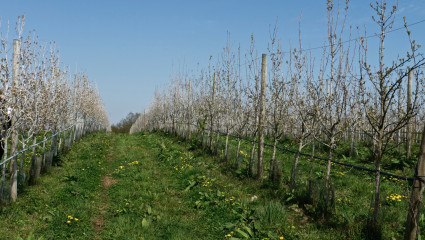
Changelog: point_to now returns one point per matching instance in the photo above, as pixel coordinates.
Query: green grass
(353, 189)
(65, 192)
(155, 186)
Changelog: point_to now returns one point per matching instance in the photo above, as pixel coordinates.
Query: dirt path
(107, 181)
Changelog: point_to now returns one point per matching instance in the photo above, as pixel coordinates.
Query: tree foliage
(125, 124)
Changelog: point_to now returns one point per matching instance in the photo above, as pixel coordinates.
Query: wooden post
(13, 148)
(408, 110)
(417, 195)
(212, 113)
(261, 118)
(189, 109)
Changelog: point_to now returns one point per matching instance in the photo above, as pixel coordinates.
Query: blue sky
(130, 47)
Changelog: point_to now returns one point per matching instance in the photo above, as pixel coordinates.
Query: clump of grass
(272, 215)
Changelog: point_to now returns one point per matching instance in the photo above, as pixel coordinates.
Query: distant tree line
(125, 124)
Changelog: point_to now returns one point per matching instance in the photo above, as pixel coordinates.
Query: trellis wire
(34, 145)
(410, 179)
(333, 161)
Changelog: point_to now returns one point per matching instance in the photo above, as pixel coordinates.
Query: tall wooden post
(261, 118)
(417, 195)
(408, 110)
(13, 148)
(189, 109)
(212, 112)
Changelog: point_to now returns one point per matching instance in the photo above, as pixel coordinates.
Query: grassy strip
(61, 206)
(154, 186)
(353, 195)
(145, 201)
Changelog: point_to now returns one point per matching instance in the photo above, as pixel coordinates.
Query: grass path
(150, 186)
(118, 187)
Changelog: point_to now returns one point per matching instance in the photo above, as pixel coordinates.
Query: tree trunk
(251, 159)
(211, 141)
(408, 110)
(3, 176)
(226, 158)
(277, 166)
(202, 138)
(352, 141)
(237, 160)
(37, 162)
(21, 163)
(272, 164)
(34, 170)
(3, 179)
(377, 183)
(188, 133)
(294, 167)
(328, 176)
(60, 142)
(55, 145)
(217, 143)
(69, 139)
(310, 176)
(261, 118)
(417, 195)
(43, 156)
(51, 154)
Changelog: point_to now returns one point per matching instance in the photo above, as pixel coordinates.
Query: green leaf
(145, 222)
(248, 230)
(229, 225)
(191, 184)
(242, 233)
(149, 210)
